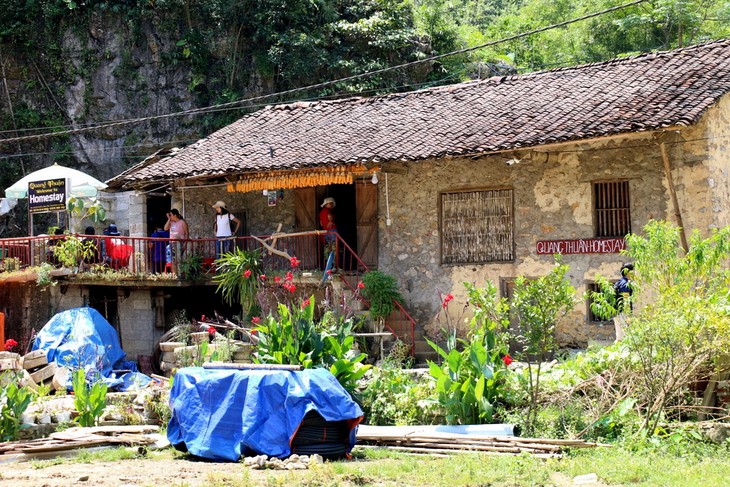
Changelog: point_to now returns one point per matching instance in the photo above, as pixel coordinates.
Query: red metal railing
(400, 323)
(145, 255)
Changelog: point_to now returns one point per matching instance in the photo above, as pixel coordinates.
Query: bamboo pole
(228, 365)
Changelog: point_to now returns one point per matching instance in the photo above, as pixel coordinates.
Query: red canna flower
(211, 330)
(277, 279)
(247, 273)
(447, 299)
(10, 344)
(294, 262)
(262, 277)
(361, 285)
(305, 303)
(256, 320)
(289, 276)
(507, 360)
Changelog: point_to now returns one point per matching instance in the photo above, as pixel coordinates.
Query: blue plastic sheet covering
(223, 414)
(82, 337)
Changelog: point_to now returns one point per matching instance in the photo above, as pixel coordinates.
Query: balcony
(149, 262)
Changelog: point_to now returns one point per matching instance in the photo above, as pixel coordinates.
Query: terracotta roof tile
(640, 93)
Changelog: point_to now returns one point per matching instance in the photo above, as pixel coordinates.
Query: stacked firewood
(181, 345)
(445, 443)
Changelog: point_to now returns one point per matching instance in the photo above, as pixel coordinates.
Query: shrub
(14, 400)
(470, 380)
(393, 396)
(683, 326)
(539, 305)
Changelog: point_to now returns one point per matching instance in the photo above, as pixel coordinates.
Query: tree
(539, 305)
(682, 328)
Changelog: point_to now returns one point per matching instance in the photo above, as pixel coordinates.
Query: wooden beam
(673, 195)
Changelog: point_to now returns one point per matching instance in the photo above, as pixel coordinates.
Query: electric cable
(241, 103)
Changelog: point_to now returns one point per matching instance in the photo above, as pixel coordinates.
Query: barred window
(477, 226)
(612, 209)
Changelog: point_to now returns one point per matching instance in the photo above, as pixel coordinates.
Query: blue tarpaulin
(81, 337)
(223, 414)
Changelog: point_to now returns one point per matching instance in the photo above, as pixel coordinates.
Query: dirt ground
(128, 473)
(182, 472)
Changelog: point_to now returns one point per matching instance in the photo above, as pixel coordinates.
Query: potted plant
(72, 250)
(381, 292)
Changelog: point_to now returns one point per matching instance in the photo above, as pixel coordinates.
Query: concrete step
(423, 352)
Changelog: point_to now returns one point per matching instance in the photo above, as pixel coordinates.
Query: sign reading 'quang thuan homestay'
(48, 195)
(581, 246)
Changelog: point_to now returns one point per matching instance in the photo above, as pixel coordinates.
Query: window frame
(512, 248)
(597, 222)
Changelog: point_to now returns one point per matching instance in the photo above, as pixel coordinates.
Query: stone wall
(25, 308)
(137, 323)
(715, 135)
(552, 200)
(196, 207)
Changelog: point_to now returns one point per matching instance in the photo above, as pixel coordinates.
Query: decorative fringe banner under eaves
(306, 178)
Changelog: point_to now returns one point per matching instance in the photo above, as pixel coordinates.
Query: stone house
(477, 181)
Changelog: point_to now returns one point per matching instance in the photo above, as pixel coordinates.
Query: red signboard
(581, 246)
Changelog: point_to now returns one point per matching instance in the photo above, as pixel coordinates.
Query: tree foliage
(680, 328)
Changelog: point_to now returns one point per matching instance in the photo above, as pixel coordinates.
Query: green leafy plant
(470, 380)
(73, 250)
(191, 267)
(392, 396)
(293, 337)
(682, 328)
(539, 305)
(14, 400)
(90, 401)
(43, 275)
(85, 208)
(381, 292)
(237, 276)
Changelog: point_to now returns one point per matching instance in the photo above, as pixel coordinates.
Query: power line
(239, 103)
(112, 149)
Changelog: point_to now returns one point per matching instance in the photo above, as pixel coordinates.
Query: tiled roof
(640, 93)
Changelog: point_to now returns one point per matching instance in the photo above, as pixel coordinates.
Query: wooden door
(366, 205)
(305, 218)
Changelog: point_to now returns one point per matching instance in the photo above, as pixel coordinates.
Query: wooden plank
(366, 207)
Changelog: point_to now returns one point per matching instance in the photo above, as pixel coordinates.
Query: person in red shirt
(326, 215)
(327, 222)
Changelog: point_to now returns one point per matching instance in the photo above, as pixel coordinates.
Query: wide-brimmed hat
(219, 204)
(328, 200)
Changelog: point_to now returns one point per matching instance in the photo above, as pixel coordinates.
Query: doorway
(158, 204)
(356, 217)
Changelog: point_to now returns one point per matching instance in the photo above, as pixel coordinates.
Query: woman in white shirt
(224, 234)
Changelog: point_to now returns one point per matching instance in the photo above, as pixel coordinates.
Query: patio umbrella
(82, 185)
